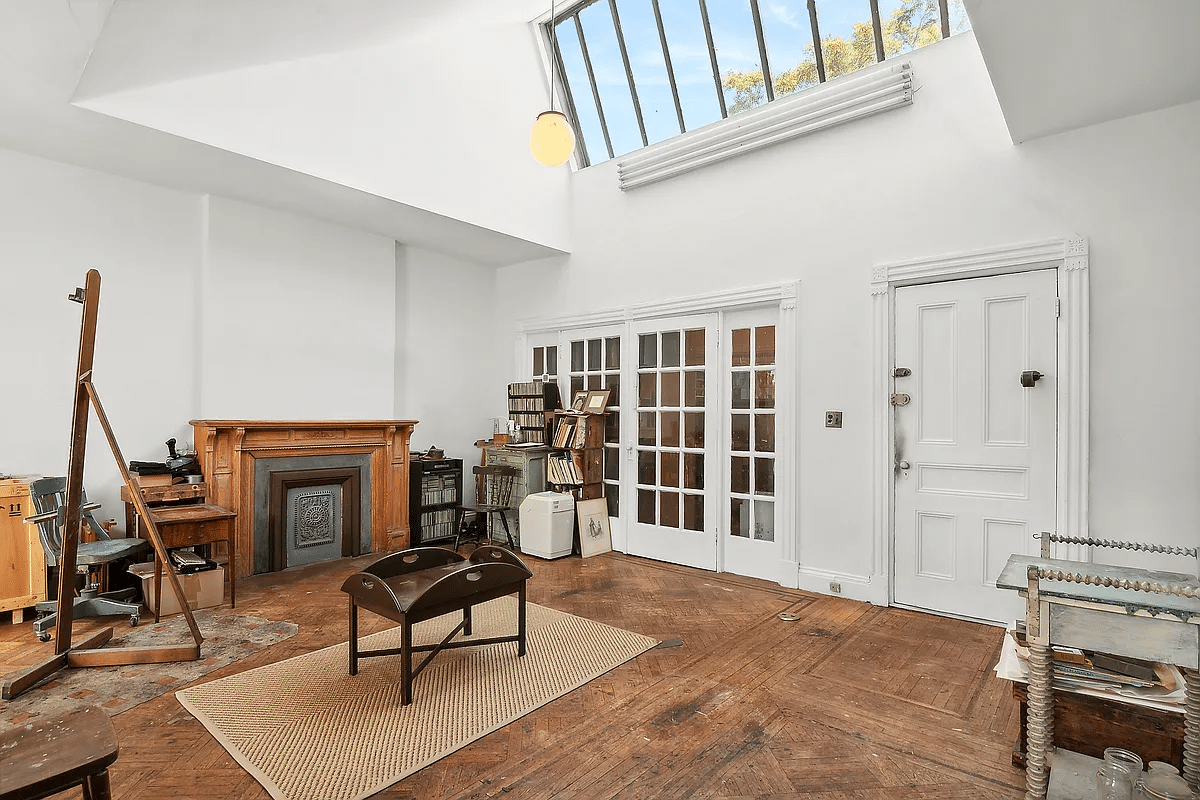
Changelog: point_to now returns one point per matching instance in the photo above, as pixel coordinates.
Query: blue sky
(786, 30)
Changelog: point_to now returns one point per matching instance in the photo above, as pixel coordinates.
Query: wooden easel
(88, 653)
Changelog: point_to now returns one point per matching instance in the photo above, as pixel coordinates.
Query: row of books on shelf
(526, 387)
(571, 431)
(439, 489)
(532, 437)
(526, 404)
(437, 524)
(562, 469)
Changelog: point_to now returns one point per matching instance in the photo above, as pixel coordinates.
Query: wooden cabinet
(22, 562)
(435, 487)
(531, 475)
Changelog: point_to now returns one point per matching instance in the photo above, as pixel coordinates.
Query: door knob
(1029, 377)
(905, 465)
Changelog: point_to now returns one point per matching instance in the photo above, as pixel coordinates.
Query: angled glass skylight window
(639, 72)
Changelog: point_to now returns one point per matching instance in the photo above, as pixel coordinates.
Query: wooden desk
(186, 526)
(160, 495)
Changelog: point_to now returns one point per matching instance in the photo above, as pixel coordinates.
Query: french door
(750, 544)
(670, 510)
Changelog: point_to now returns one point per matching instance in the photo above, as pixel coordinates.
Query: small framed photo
(577, 402)
(594, 535)
(596, 401)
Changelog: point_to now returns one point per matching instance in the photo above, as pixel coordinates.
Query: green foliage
(914, 24)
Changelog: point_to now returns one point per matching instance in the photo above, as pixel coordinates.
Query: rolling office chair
(49, 496)
(493, 497)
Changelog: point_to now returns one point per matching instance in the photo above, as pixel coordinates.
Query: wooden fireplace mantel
(228, 448)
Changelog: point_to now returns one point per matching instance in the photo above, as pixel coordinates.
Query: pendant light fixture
(551, 139)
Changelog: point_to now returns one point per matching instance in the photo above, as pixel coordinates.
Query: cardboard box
(202, 589)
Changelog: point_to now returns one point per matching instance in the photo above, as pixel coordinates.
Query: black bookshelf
(435, 492)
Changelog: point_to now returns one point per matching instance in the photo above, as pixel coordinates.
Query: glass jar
(1118, 774)
(1162, 782)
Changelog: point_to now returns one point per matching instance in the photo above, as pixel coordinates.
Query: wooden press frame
(88, 653)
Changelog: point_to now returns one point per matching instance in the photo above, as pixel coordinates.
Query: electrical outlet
(833, 419)
(835, 587)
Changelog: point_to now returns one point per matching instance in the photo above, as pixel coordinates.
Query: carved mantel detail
(231, 447)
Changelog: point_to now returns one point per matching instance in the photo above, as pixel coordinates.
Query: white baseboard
(854, 587)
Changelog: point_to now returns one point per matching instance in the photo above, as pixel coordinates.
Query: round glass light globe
(551, 139)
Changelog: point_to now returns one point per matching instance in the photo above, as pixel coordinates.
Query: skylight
(638, 72)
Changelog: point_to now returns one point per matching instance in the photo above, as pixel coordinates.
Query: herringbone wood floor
(850, 701)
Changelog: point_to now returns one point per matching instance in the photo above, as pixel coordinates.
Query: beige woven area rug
(307, 730)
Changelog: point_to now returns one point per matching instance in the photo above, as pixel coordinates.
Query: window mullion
(587, 63)
(568, 99)
(762, 50)
(877, 26)
(712, 57)
(637, 105)
(816, 35)
(662, 37)
(944, 9)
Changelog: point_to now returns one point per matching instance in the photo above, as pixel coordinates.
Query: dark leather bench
(426, 582)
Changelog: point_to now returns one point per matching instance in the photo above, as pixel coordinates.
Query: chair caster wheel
(43, 637)
(133, 620)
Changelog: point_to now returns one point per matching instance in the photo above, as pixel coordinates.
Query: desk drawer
(192, 533)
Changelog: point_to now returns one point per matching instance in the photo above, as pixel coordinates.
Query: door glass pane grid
(752, 433)
(596, 364)
(545, 362)
(671, 429)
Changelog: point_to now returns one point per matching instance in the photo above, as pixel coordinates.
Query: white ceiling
(55, 51)
(1058, 65)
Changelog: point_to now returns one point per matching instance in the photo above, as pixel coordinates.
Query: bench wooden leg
(521, 620)
(95, 787)
(406, 661)
(353, 647)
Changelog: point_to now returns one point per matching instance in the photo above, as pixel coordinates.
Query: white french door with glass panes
(670, 508)
(751, 546)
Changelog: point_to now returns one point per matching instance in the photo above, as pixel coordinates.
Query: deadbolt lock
(1029, 377)
(901, 372)
(900, 399)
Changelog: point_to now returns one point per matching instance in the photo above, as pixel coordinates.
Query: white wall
(438, 118)
(938, 177)
(208, 309)
(451, 380)
(298, 318)
(56, 223)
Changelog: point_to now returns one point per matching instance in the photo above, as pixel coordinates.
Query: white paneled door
(669, 508)
(974, 470)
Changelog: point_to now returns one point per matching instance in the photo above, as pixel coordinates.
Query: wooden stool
(49, 755)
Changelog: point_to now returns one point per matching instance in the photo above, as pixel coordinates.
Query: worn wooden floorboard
(849, 701)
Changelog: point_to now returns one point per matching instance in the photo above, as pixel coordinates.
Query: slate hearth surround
(230, 452)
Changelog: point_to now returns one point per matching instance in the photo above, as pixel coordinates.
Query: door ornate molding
(1069, 256)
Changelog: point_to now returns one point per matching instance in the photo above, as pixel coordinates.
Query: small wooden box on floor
(22, 562)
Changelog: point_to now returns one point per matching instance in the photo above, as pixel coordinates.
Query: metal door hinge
(1057, 307)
